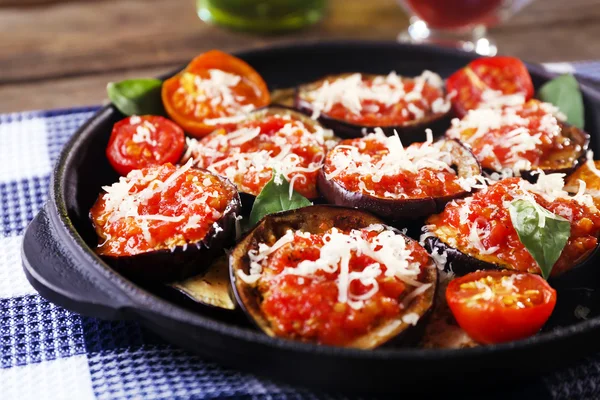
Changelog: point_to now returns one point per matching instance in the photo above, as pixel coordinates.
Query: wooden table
(57, 53)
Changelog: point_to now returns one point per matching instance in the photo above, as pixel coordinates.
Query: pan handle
(59, 276)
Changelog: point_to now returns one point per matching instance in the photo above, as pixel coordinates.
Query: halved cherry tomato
(139, 142)
(214, 85)
(506, 74)
(500, 306)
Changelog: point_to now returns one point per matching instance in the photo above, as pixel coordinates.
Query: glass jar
(265, 16)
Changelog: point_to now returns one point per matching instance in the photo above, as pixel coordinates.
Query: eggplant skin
(576, 135)
(394, 209)
(182, 262)
(318, 219)
(462, 264)
(457, 261)
(409, 133)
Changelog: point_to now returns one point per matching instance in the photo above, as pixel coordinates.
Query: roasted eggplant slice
(274, 138)
(334, 276)
(350, 103)
(477, 232)
(377, 174)
(165, 223)
(588, 173)
(521, 139)
(211, 288)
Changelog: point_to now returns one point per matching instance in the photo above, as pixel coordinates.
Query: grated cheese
(143, 133)
(122, 202)
(217, 91)
(591, 164)
(353, 90)
(520, 140)
(475, 239)
(388, 250)
(221, 154)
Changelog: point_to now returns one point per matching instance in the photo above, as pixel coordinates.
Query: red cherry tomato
(506, 74)
(191, 106)
(500, 306)
(140, 142)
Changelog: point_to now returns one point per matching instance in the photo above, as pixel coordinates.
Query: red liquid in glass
(452, 14)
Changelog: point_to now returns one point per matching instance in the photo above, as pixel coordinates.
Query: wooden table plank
(62, 53)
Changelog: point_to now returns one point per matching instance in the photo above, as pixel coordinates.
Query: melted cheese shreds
(591, 164)
(411, 318)
(518, 141)
(476, 235)
(551, 187)
(281, 157)
(350, 160)
(217, 91)
(496, 99)
(388, 249)
(217, 88)
(122, 201)
(352, 91)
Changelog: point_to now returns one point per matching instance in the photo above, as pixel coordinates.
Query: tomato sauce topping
(377, 100)
(321, 288)
(481, 225)
(159, 208)
(248, 155)
(379, 166)
(522, 137)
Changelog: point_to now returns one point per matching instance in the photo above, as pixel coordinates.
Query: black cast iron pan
(59, 261)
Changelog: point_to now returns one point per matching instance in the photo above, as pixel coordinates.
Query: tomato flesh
(142, 141)
(500, 306)
(214, 87)
(230, 155)
(307, 307)
(488, 214)
(507, 75)
(183, 212)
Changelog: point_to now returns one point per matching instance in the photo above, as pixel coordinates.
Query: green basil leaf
(564, 93)
(274, 198)
(136, 96)
(544, 243)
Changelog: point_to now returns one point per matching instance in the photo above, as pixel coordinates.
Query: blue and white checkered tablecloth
(47, 352)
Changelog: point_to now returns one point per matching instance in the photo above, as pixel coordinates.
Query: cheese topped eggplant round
(378, 174)
(332, 276)
(179, 214)
(349, 103)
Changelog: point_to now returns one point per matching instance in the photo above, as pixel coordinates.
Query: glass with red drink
(459, 23)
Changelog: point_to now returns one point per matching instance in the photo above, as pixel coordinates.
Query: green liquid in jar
(261, 15)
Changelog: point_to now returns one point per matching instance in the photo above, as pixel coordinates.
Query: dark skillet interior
(60, 263)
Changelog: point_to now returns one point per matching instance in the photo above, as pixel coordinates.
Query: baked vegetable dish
(296, 216)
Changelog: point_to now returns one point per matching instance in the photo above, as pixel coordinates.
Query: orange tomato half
(214, 86)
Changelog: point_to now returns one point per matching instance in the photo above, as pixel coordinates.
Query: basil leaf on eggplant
(543, 233)
(276, 196)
